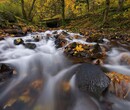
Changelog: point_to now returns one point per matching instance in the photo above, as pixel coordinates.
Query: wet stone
(30, 45)
(97, 51)
(91, 80)
(18, 41)
(64, 33)
(1, 38)
(5, 72)
(55, 32)
(37, 38)
(60, 41)
(29, 40)
(80, 50)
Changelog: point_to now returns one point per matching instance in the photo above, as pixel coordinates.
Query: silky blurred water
(49, 64)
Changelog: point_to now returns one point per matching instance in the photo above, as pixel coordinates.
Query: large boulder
(91, 79)
(5, 72)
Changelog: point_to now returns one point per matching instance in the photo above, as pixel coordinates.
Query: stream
(39, 80)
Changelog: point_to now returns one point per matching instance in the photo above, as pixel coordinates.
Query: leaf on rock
(79, 48)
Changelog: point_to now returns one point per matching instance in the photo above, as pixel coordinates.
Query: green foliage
(50, 9)
(12, 7)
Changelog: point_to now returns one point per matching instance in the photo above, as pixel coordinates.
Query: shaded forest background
(71, 13)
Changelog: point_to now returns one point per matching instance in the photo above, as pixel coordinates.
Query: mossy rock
(18, 41)
(80, 50)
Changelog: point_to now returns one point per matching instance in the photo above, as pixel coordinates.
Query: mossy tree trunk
(27, 16)
(87, 2)
(30, 17)
(120, 5)
(23, 10)
(63, 11)
(105, 19)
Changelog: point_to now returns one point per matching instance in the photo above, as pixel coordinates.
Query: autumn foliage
(119, 84)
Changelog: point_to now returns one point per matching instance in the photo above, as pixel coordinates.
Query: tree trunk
(106, 11)
(120, 5)
(23, 10)
(63, 10)
(87, 1)
(30, 12)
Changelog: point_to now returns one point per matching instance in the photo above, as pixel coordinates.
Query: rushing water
(41, 73)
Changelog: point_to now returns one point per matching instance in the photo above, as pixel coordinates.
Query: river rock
(80, 50)
(1, 38)
(64, 33)
(37, 38)
(125, 58)
(30, 45)
(96, 52)
(60, 41)
(18, 41)
(95, 37)
(5, 72)
(91, 79)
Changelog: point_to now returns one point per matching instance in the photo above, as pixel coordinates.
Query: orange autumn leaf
(37, 84)
(118, 77)
(66, 86)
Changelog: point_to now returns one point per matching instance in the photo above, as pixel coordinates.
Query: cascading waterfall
(50, 65)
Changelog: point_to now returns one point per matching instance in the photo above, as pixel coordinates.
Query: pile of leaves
(119, 84)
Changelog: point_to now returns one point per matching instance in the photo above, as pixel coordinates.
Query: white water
(50, 64)
(115, 57)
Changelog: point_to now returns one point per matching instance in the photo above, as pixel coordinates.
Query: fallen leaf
(79, 48)
(66, 86)
(10, 103)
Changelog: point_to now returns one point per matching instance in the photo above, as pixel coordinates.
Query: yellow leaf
(79, 48)
(25, 98)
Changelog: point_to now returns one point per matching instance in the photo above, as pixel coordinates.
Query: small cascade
(44, 79)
